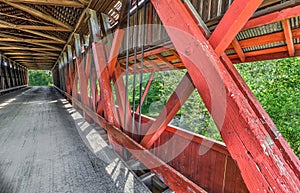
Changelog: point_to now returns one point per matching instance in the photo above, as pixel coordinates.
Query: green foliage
(193, 115)
(276, 84)
(40, 78)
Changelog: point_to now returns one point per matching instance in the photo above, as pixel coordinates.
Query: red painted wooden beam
(288, 154)
(115, 49)
(261, 52)
(266, 39)
(266, 54)
(244, 134)
(104, 81)
(288, 36)
(232, 22)
(238, 49)
(149, 53)
(83, 84)
(273, 17)
(270, 56)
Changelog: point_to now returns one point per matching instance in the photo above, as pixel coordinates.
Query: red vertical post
(102, 69)
(81, 74)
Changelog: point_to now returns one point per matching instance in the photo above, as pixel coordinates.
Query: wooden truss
(263, 158)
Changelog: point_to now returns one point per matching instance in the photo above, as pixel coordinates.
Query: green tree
(276, 84)
(40, 78)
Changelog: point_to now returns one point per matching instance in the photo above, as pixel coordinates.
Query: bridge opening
(40, 78)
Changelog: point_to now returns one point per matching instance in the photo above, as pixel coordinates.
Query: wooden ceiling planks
(32, 29)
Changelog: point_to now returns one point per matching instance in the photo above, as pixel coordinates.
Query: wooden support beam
(101, 69)
(35, 60)
(34, 32)
(149, 53)
(271, 56)
(164, 60)
(266, 39)
(177, 99)
(31, 53)
(36, 27)
(238, 49)
(263, 52)
(232, 22)
(71, 66)
(245, 136)
(273, 17)
(30, 57)
(66, 73)
(37, 13)
(115, 49)
(84, 2)
(93, 87)
(77, 45)
(24, 18)
(288, 36)
(65, 3)
(54, 48)
(26, 48)
(120, 90)
(29, 40)
(288, 154)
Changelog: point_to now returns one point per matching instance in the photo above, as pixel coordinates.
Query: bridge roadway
(44, 148)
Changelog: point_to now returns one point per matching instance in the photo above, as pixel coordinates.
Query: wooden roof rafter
(38, 14)
(35, 27)
(30, 53)
(265, 43)
(31, 57)
(288, 36)
(65, 3)
(23, 18)
(237, 47)
(33, 32)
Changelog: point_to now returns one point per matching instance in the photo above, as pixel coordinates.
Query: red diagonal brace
(104, 81)
(234, 19)
(115, 49)
(177, 99)
(273, 17)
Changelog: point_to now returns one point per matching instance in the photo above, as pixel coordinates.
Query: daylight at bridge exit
(138, 96)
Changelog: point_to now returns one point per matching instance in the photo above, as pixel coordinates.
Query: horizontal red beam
(196, 138)
(273, 17)
(149, 53)
(271, 56)
(265, 51)
(266, 39)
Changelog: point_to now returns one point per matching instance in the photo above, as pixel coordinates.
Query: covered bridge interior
(92, 48)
